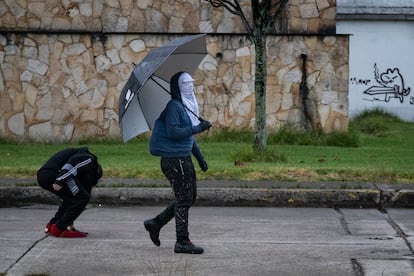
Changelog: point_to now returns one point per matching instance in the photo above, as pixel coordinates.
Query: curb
(242, 197)
(250, 197)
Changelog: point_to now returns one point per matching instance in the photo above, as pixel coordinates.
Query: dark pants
(181, 174)
(71, 205)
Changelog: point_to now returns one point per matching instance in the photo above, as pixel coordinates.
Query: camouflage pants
(181, 174)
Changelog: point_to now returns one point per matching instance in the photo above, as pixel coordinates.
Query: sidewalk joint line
(24, 254)
(343, 222)
(399, 231)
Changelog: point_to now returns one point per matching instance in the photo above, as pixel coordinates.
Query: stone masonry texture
(63, 64)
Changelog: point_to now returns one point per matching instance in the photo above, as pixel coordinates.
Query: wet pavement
(245, 227)
(237, 241)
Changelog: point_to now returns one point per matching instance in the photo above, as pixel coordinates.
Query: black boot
(154, 230)
(186, 246)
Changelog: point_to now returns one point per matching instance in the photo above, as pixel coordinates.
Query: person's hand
(56, 187)
(205, 125)
(203, 165)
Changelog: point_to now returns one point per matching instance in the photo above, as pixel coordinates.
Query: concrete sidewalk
(237, 241)
(225, 193)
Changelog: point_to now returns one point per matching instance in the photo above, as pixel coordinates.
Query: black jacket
(59, 162)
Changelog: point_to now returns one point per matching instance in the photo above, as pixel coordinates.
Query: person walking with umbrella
(173, 140)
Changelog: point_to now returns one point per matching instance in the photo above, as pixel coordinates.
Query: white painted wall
(389, 45)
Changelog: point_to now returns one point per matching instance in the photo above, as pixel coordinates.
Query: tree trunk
(260, 136)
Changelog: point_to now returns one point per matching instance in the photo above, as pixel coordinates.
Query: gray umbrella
(146, 92)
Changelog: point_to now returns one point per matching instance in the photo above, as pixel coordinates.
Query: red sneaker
(55, 231)
(72, 234)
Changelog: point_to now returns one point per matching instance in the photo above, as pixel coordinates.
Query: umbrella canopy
(146, 92)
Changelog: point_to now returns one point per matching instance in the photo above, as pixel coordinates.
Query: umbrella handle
(198, 117)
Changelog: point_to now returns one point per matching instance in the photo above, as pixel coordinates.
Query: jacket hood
(174, 87)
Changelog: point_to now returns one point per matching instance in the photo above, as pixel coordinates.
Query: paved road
(237, 241)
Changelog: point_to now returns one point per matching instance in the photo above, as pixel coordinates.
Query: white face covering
(186, 85)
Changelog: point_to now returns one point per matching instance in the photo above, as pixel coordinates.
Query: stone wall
(155, 16)
(226, 90)
(62, 86)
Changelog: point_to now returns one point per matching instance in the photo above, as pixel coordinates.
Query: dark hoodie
(69, 162)
(173, 133)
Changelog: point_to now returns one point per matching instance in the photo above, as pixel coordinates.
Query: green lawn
(385, 155)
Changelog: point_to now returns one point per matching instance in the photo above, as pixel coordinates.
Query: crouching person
(69, 174)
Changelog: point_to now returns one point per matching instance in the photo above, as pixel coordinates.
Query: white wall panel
(381, 66)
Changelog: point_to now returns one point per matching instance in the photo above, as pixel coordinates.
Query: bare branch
(233, 8)
(255, 10)
(278, 7)
(243, 18)
(226, 4)
(267, 12)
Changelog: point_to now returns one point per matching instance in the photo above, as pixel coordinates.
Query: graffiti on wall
(390, 86)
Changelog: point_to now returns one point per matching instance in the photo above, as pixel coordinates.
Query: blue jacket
(173, 133)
